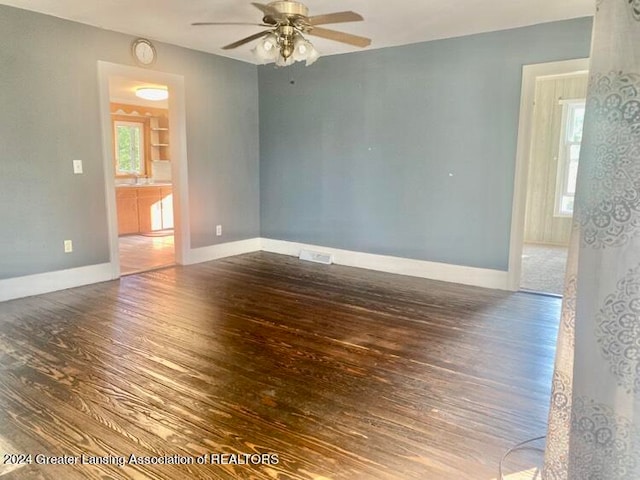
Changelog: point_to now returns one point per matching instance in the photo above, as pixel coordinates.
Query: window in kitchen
(129, 138)
(568, 156)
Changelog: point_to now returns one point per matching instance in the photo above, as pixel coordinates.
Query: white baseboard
(480, 277)
(222, 250)
(59, 280)
(37, 284)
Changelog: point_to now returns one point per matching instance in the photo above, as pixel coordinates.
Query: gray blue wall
(406, 151)
(49, 115)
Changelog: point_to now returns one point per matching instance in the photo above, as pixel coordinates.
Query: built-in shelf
(159, 139)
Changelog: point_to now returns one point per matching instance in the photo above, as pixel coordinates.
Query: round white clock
(143, 51)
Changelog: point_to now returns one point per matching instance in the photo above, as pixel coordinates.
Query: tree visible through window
(129, 148)
(569, 155)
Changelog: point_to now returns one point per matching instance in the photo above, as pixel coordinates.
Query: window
(569, 155)
(129, 139)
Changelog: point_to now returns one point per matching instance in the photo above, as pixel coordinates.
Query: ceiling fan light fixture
(304, 51)
(152, 93)
(285, 47)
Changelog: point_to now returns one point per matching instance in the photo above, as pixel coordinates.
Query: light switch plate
(218, 230)
(77, 167)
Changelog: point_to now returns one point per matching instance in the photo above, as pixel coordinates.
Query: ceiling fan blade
(340, 37)
(255, 36)
(270, 12)
(198, 24)
(338, 17)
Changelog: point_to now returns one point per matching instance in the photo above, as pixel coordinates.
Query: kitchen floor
(139, 253)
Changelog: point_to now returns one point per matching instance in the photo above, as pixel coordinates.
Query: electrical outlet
(218, 230)
(68, 246)
(77, 167)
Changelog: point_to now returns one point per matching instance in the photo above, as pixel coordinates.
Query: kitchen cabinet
(144, 209)
(149, 209)
(127, 204)
(166, 193)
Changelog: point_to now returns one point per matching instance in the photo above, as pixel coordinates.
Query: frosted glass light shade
(154, 94)
(312, 56)
(267, 49)
(303, 50)
(284, 62)
(300, 49)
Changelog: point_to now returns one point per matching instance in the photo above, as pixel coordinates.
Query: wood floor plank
(343, 373)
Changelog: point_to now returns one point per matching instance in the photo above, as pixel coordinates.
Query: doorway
(551, 118)
(145, 167)
(142, 174)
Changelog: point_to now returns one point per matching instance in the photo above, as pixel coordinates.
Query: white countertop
(142, 185)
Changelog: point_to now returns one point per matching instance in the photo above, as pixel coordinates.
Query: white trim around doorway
(177, 148)
(527, 102)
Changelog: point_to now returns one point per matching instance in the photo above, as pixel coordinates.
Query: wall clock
(143, 51)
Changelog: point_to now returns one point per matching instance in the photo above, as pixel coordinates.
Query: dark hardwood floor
(342, 373)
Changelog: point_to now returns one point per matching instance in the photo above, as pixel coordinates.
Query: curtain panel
(594, 420)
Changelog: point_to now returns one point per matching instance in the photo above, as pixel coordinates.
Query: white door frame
(527, 101)
(177, 150)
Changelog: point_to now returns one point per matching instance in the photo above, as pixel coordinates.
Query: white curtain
(594, 422)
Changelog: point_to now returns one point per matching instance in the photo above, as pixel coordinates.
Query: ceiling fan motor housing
(290, 8)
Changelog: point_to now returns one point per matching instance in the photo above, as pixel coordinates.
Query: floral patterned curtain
(594, 422)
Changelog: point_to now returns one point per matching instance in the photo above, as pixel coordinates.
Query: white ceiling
(388, 23)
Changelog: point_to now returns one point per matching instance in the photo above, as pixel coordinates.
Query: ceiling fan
(288, 21)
